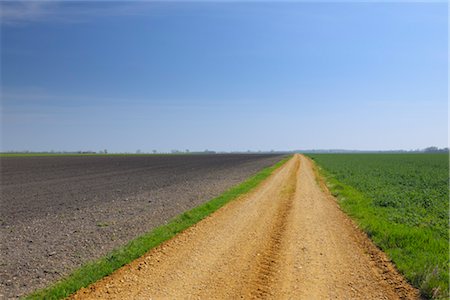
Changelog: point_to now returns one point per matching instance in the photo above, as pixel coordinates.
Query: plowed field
(59, 212)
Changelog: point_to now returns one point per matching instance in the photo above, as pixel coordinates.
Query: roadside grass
(93, 271)
(420, 252)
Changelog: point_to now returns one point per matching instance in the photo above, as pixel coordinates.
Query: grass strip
(410, 248)
(93, 271)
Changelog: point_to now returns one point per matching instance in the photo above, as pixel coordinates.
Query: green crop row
(402, 202)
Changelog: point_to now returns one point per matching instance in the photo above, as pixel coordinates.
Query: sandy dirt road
(285, 240)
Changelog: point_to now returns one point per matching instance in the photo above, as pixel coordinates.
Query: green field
(402, 202)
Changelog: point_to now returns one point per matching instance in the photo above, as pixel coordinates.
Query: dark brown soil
(59, 212)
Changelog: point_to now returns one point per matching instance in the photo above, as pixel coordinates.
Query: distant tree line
(435, 149)
(431, 149)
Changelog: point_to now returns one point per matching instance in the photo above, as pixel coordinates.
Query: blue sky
(226, 76)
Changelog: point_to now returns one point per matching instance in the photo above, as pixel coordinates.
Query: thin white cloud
(24, 12)
(17, 12)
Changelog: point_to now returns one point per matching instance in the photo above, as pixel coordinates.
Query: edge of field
(45, 154)
(35, 154)
(93, 271)
(377, 229)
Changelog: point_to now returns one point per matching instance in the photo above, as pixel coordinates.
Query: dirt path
(287, 239)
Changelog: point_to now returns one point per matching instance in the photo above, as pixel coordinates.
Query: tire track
(270, 259)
